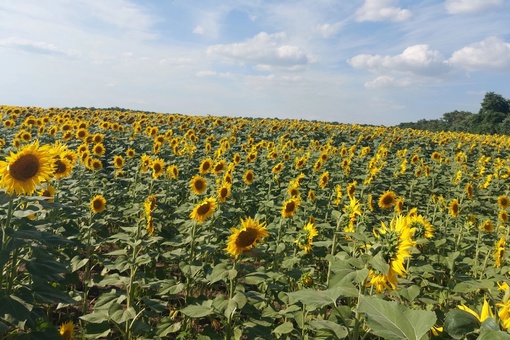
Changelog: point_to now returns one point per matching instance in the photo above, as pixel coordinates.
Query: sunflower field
(121, 224)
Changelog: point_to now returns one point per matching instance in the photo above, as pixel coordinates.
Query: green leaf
(493, 335)
(393, 321)
(218, 273)
(334, 328)
(48, 294)
(379, 264)
(13, 309)
(96, 317)
(195, 311)
(284, 328)
(167, 326)
(77, 262)
(314, 299)
(458, 323)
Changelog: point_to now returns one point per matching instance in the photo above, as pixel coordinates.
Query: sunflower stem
(5, 238)
(333, 247)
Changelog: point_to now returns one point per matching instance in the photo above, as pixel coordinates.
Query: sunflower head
(203, 210)
(248, 177)
(454, 207)
(246, 237)
(98, 204)
(305, 237)
(224, 191)
(198, 184)
(503, 201)
(290, 206)
(205, 166)
(22, 172)
(158, 166)
(387, 200)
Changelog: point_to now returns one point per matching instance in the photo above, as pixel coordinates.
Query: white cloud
(387, 81)
(327, 30)
(470, 6)
(418, 59)
(198, 30)
(263, 49)
(382, 10)
(39, 47)
(489, 54)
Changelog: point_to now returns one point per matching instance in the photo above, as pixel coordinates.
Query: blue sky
(357, 61)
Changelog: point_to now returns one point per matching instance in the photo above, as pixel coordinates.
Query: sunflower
(318, 165)
(118, 161)
(293, 191)
(198, 184)
(98, 204)
(22, 172)
(454, 207)
(387, 200)
(237, 158)
(62, 167)
(98, 149)
(487, 226)
(423, 228)
(205, 166)
(394, 242)
(469, 190)
(370, 202)
(203, 210)
(66, 330)
(503, 216)
(95, 164)
(351, 189)
(306, 237)
(300, 162)
(486, 311)
(219, 166)
(290, 206)
(311, 195)
(248, 177)
(130, 153)
(158, 166)
(224, 191)
(324, 179)
(500, 252)
(146, 161)
(436, 156)
(338, 195)
(48, 192)
(149, 206)
(246, 237)
(172, 171)
(277, 168)
(503, 201)
(82, 134)
(399, 205)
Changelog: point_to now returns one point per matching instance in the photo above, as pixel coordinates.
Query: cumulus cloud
(489, 54)
(470, 6)
(382, 10)
(198, 30)
(263, 49)
(418, 59)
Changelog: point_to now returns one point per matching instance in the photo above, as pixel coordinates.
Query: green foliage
(492, 118)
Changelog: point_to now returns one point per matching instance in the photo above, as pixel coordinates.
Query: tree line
(492, 118)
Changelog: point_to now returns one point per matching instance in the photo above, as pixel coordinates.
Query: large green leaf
(314, 299)
(195, 311)
(458, 323)
(493, 335)
(333, 328)
(391, 320)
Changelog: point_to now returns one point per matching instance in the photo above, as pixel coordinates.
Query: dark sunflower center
(246, 237)
(60, 167)
(224, 192)
(249, 177)
(157, 167)
(387, 200)
(98, 204)
(290, 207)
(206, 166)
(203, 209)
(25, 167)
(199, 185)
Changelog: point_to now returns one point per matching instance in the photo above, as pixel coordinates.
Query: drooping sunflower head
(98, 204)
(172, 171)
(423, 228)
(469, 190)
(290, 206)
(198, 184)
(311, 195)
(503, 216)
(146, 161)
(219, 166)
(277, 168)
(500, 252)
(246, 237)
(22, 172)
(487, 226)
(305, 237)
(454, 207)
(203, 210)
(324, 179)
(387, 200)
(399, 205)
(503, 201)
